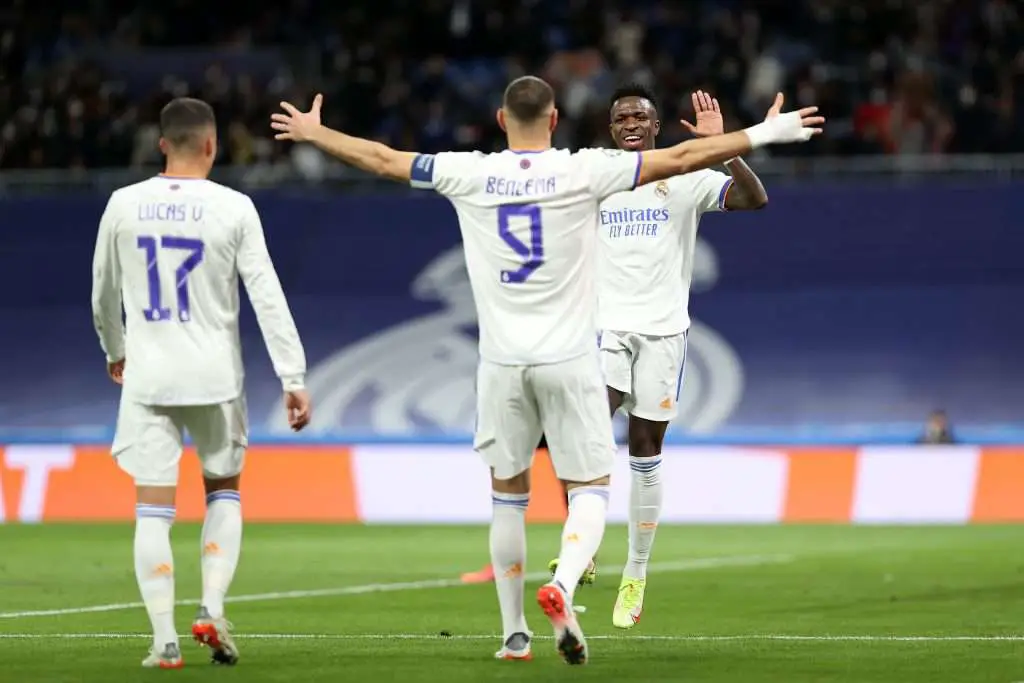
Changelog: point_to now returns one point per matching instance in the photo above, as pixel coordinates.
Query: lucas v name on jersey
(625, 223)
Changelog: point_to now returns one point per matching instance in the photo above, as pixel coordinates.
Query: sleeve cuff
(293, 382)
(639, 165)
(726, 186)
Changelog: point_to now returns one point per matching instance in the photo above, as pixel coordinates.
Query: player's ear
(500, 116)
(657, 127)
(163, 146)
(553, 122)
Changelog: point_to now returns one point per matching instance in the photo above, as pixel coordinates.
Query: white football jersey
(647, 240)
(528, 225)
(175, 248)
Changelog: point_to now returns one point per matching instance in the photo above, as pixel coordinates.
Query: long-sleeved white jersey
(175, 248)
(529, 225)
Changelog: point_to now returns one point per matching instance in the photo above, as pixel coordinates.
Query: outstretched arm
(693, 155)
(367, 155)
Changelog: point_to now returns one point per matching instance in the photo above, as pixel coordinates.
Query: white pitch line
(680, 566)
(624, 638)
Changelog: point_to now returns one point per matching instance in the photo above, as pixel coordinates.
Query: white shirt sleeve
(709, 189)
(610, 170)
(449, 173)
(268, 301)
(106, 286)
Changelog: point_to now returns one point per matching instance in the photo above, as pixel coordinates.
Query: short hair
(184, 119)
(633, 90)
(528, 98)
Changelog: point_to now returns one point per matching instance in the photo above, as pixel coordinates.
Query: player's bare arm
(694, 155)
(367, 155)
(746, 192)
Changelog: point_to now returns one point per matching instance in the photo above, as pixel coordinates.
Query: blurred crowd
(81, 83)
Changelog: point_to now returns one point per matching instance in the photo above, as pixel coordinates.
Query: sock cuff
(147, 511)
(224, 495)
(644, 465)
(592, 490)
(510, 500)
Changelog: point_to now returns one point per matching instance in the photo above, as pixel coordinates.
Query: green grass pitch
(786, 604)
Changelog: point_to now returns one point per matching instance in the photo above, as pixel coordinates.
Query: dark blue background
(848, 304)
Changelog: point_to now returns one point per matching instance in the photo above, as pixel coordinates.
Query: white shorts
(647, 369)
(567, 402)
(149, 440)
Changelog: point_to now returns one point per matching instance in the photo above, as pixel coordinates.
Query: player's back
(177, 243)
(528, 222)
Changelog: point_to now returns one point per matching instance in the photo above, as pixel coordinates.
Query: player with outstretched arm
(528, 219)
(172, 248)
(648, 237)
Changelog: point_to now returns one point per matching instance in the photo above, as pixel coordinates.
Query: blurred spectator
(937, 430)
(81, 83)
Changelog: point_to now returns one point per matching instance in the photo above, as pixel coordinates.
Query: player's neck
(183, 169)
(528, 143)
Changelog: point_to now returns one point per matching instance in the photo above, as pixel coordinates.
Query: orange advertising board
(399, 484)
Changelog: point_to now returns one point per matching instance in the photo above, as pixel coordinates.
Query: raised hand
(295, 125)
(794, 126)
(708, 116)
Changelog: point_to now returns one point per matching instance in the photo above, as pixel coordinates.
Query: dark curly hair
(633, 90)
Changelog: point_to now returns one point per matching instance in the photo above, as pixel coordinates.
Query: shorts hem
(220, 477)
(154, 483)
(612, 385)
(651, 416)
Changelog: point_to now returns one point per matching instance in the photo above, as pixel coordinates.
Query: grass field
(739, 604)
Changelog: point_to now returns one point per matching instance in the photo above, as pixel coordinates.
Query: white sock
(581, 537)
(508, 557)
(645, 496)
(221, 546)
(154, 569)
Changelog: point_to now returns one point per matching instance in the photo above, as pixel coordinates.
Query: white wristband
(760, 134)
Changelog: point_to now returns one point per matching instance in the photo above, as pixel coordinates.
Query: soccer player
(527, 217)
(645, 265)
(174, 246)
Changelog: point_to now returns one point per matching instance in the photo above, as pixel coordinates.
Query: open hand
(708, 116)
(295, 125)
(794, 126)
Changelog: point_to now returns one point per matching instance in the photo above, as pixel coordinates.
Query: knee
(644, 443)
(518, 484)
(213, 483)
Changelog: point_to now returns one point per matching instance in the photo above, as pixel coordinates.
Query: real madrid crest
(661, 189)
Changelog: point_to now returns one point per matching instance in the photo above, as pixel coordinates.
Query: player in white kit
(528, 220)
(645, 265)
(172, 248)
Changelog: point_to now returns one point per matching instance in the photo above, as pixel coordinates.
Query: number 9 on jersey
(532, 254)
